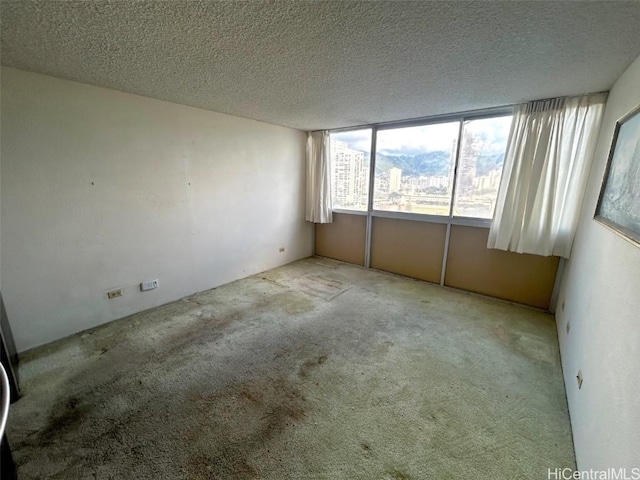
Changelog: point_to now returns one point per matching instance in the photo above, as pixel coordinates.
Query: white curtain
(546, 167)
(318, 206)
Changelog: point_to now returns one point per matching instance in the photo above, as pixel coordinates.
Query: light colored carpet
(315, 370)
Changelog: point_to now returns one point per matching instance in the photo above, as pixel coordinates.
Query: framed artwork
(619, 203)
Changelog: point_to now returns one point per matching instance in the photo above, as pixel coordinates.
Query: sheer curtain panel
(546, 167)
(318, 204)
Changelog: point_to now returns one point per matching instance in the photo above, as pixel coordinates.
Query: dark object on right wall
(619, 203)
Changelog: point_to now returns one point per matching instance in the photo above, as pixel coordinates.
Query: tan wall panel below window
(521, 278)
(344, 239)
(407, 247)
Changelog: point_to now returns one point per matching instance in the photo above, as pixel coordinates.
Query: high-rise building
(350, 175)
(471, 146)
(489, 182)
(395, 179)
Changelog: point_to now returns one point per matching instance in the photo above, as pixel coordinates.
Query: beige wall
(343, 239)
(415, 249)
(102, 190)
(410, 248)
(600, 301)
(521, 278)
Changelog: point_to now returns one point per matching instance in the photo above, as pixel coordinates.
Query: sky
(424, 138)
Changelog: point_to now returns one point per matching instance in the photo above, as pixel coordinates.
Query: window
(451, 168)
(482, 150)
(414, 168)
(350, 157)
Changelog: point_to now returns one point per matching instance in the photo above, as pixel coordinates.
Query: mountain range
(433, 163)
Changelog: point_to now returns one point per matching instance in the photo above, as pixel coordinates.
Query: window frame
(449, 219)
(344, 130)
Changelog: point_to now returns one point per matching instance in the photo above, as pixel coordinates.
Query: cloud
(426, 138)
(356, 139)
(417, 140)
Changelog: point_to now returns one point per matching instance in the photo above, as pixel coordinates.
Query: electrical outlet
(579, 379)
(150, 285)
(114, 293)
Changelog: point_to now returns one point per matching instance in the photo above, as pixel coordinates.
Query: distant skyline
(421, 139)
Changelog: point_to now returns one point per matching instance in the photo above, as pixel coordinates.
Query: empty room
(320, 239)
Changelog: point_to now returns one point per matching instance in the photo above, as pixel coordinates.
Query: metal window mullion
(445, 254)
(372, 171)
(313, 238)
(456, 164)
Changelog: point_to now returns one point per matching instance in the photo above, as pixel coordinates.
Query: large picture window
(448, 169)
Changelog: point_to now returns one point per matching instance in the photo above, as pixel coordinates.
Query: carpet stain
(384, 347)
(194, 333)
(299, 306)
(399, 475)
(240, 420)
(223, 466)
(312, 364)
(290, 302)
(524, 344)
(320, 286)
(64, 418)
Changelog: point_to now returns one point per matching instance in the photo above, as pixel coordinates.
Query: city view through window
(350, 157)
(415, 168)
(482, 150)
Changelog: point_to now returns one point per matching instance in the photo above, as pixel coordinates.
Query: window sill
(421, 217)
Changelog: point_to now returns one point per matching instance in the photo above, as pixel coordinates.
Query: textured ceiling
(313, 65)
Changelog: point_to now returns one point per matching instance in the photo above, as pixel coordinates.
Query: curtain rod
(444, 116)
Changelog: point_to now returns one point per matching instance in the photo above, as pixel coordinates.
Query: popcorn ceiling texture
(312, 65)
